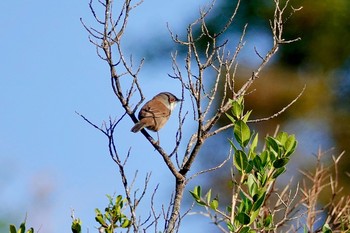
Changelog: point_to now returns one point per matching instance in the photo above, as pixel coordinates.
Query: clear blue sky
(51, 160)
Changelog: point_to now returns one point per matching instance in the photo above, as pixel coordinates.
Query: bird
(156, 112)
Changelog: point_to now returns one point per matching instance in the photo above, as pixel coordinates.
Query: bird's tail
(137, 127)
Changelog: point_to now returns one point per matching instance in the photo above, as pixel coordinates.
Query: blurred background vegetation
(320, 60)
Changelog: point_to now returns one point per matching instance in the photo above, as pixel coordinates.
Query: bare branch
(282, 110)
(211, 169)
(154, 212)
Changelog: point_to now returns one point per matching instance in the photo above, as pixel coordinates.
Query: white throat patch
(172, 106)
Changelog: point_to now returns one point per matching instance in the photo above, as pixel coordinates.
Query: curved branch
(282, 110)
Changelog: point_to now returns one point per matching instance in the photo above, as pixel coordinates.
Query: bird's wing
(155, 109)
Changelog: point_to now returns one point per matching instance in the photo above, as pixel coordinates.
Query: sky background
(51, 160)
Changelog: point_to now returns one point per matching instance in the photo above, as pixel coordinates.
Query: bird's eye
(171, 100)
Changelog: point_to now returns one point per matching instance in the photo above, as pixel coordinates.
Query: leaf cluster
(21, 229)
(109, 220)
(113, 217)
(257, 172)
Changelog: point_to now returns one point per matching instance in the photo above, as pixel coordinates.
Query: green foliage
(109, 220)
(197, 194)
(326, 229)
(76, 225)
(257, 173)
(21, 229)
(113, 216)
(242, 133)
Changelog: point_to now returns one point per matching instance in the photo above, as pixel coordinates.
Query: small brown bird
(156, 112)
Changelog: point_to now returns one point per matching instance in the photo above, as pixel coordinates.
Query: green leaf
(208, 196)
(257, 204)
(237, 109)
(100, 220)
(232, 119)
(119, 200)
(243, 218)
(197, 192)
(12, 229)
(280, 162)
(264, 157)
(233, 145)
(257, 163)
(76, 226)
(31, 230)
(22, 228)
(262, 177)
(110, 229)
(230, 227)
(244, 229)
(273, 144)
(214, 204)
(253, 147)
(197, 195)
(305, 229)
(268, 221)
(242, 133)
(252, 186)
(240, 100)
(97, 211)
(254, 215)
(246, 116)
(278, 172)
(194, 195)
(326, 228)
(126, 223)
(272, 156)
(245, 205)
(282, 137)
(255, 197)
(99, 217)
(240, 160)
(249, 167)
(290, 145)
(200, 202)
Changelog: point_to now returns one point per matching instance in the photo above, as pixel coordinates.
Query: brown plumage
(156, 112)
